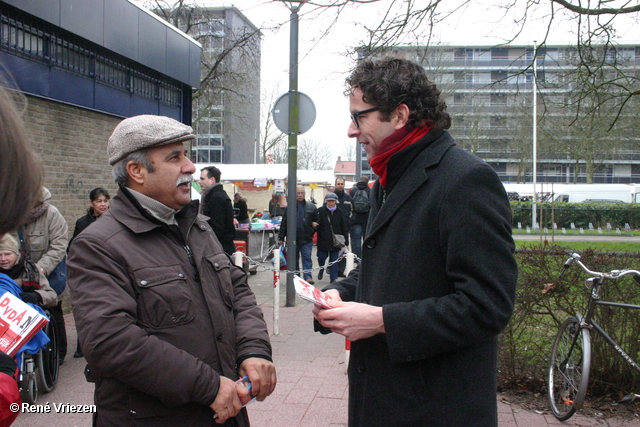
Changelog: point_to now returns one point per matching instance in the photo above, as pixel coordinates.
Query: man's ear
(402, 113)
(136, 171)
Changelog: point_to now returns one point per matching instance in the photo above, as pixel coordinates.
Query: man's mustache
(185, 179)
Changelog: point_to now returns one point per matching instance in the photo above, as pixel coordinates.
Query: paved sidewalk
(312, 384)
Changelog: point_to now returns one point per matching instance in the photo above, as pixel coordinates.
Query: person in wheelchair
(26, 274)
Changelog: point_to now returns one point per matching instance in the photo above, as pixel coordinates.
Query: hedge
(617, 215)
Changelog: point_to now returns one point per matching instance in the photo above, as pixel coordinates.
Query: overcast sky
(324, 63)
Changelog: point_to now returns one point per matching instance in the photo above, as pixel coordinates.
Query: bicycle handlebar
(613, 274)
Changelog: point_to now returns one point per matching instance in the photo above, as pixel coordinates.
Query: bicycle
(570, 362)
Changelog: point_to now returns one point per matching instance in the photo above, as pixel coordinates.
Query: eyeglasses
(354, 116)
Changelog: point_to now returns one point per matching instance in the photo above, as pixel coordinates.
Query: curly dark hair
(389, 82)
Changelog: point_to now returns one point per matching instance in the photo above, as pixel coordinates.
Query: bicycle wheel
(569, 369)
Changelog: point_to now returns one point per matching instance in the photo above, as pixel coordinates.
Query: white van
(603, 193)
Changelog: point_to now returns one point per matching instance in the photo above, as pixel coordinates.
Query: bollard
(238, 258)
(347, 351)
(276, 291)
(350, 262)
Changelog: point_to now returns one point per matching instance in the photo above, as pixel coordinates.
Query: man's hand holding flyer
(310, 293)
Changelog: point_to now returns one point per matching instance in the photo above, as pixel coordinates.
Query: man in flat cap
(166, 322)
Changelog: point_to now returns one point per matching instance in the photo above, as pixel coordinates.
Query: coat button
(219, 337)
(371, 243)
(132, 412)
(144, 283)
(216, 265)
(361, 369)
(180, 275)
(202, 227)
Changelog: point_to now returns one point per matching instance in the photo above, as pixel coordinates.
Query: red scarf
(397, 141)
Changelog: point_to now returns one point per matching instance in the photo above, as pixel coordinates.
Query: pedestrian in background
(344, 203)
(216, 204)
(307, 220)
(358, 224)
(43, 235)
(240, 205)
(332, 221)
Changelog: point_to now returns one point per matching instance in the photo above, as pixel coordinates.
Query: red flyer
(309, 292)
(19, 322)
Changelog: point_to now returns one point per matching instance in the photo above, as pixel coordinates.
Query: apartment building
(226, 109)
(489, 92)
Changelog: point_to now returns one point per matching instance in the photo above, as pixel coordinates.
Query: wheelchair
(39, 372)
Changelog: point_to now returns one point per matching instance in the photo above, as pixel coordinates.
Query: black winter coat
(328, 219)
(82, 223)
(216, 204)
(344, 203)
(438, 258)
(360, 218)
(310, 216)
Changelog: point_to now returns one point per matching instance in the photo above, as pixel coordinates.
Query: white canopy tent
(260, 175)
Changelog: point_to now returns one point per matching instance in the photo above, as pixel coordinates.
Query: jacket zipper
(189, 252)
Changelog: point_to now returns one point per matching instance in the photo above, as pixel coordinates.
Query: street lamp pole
(292, 180)
(535, 135)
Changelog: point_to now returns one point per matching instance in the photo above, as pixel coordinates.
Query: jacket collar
(434, 146)
(128, 211)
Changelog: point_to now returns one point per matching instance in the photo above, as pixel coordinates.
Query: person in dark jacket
(99, 201)
(332, 221)
(216, 204)
(166, 321)
(306, 224)
(358, 223)
(242, 211)
(436, 284)
(344, 203)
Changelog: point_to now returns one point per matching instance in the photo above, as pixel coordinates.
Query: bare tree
(241, 45)
(271, 139)
(312, 155)
(349, 151)
(226, 117)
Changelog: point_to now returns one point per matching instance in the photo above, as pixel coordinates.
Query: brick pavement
(312, 384)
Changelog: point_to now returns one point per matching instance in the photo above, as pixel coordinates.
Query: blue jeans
(357, 232)
(304, 252)
(322, 258)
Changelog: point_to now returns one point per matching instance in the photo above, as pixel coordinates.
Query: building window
(498, 53)
(201, 155)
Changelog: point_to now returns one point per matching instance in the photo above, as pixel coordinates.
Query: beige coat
(46, 237)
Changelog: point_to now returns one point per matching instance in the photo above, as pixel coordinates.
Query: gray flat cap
(138, 132)
(331, 196)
